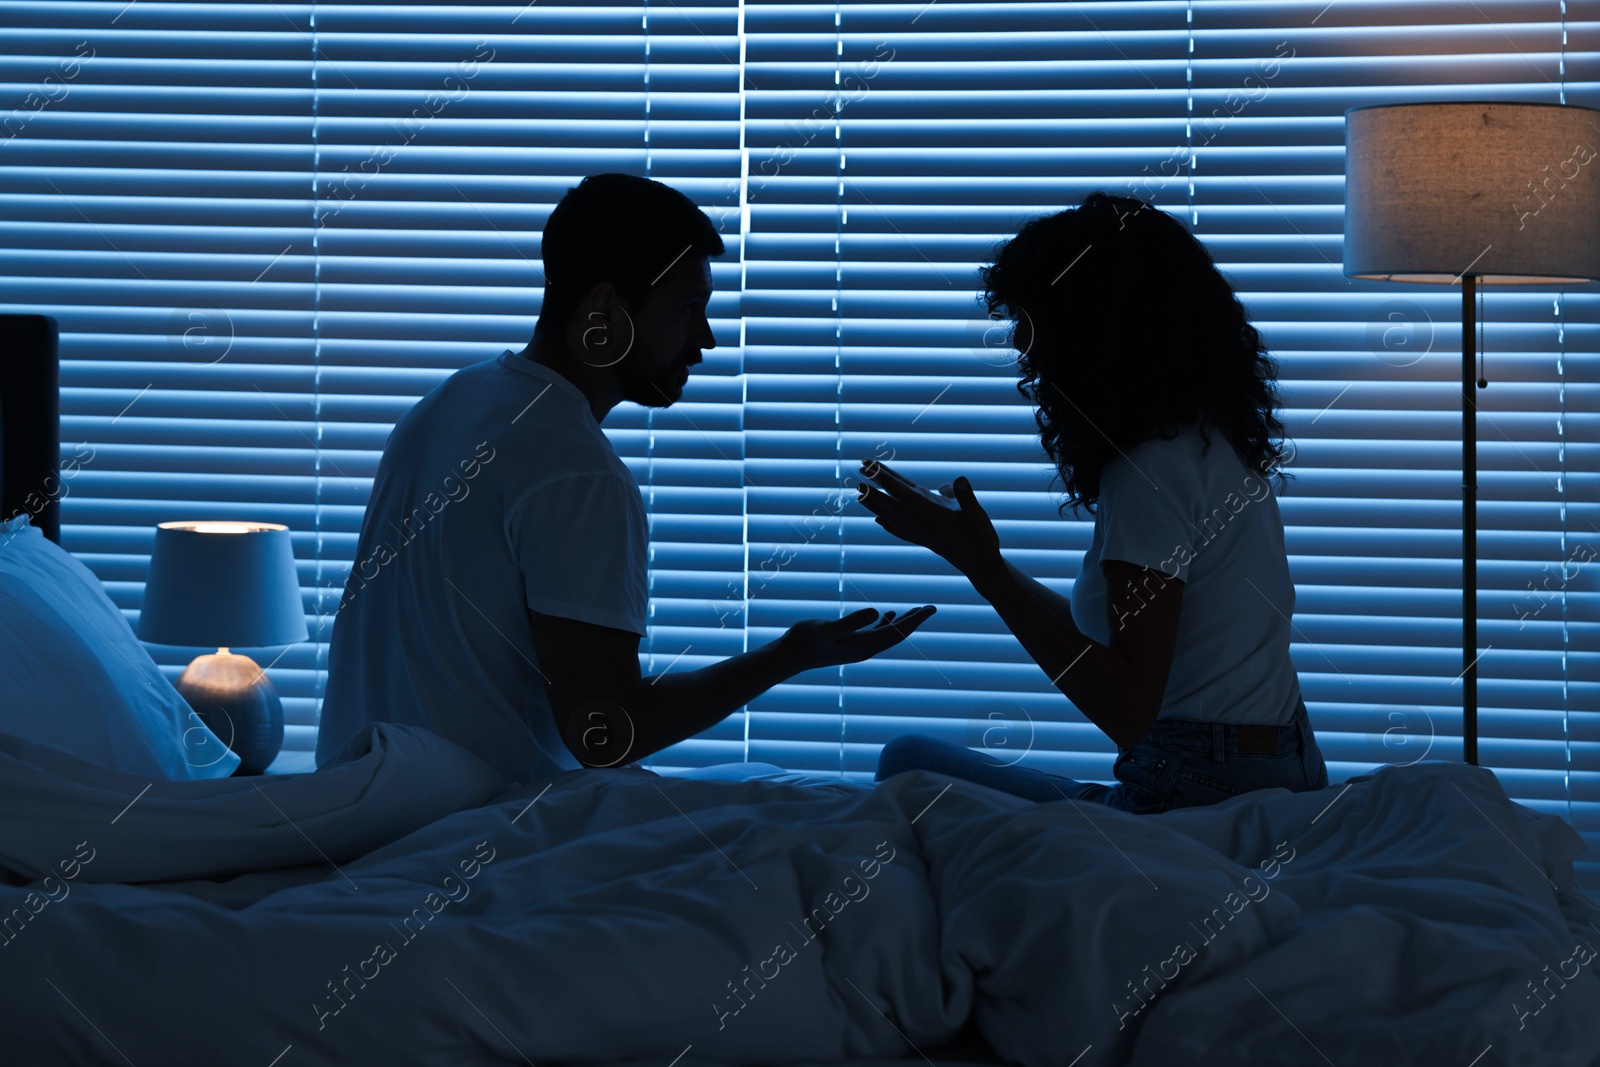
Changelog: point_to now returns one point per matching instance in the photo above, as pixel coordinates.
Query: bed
(404, 905)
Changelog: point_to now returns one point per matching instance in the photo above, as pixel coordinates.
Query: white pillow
(74, 676)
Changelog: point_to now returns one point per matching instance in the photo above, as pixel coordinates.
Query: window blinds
(267, 228)
(156, 170)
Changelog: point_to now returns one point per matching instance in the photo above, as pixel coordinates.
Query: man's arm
(609, 715)
(1119, 686)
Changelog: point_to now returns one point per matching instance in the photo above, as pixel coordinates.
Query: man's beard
(658, 392)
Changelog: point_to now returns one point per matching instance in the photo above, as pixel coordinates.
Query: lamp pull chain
(1483, 382)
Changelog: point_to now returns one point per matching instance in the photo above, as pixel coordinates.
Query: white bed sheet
(604, 917)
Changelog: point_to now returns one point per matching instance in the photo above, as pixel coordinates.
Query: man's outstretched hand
(816, 643)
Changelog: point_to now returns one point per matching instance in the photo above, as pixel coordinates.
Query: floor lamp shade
(217, 584)
(1509, 193)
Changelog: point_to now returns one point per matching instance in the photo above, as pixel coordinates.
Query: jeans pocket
(1199, 781)
(1192, 789)
(1148, 774)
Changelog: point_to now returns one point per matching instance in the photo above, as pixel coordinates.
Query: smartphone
(882, 476)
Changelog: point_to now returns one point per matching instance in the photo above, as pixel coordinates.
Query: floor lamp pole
(1469, 530)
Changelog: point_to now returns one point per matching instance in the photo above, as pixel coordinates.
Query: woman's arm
(1058, 605)
(1119, 686)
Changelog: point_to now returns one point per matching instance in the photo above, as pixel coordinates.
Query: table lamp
(221, 585)
(1472, 194)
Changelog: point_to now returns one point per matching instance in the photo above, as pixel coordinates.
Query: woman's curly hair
(1127, 331)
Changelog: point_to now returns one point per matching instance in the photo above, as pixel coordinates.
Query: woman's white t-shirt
(1203, 517)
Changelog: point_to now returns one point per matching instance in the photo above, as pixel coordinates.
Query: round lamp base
(235, 700)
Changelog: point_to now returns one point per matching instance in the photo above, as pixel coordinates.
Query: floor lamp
(1472, 194)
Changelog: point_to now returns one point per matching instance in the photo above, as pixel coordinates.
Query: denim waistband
(1234, 739)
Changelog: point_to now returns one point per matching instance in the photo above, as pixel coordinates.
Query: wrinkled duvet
(405, 908)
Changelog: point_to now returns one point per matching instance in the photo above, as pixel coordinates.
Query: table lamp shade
(219, 584)
(1508, 192)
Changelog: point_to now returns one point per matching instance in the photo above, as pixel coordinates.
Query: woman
(1155, 400)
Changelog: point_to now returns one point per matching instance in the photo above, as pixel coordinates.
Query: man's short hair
(623, 229)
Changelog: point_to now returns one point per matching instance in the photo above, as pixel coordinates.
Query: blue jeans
(1181, 763)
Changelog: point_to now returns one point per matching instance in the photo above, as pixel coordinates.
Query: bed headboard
(30, 421)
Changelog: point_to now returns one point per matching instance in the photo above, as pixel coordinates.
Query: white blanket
(1414, 917)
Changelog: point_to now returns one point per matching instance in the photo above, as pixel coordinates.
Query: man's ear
(600, 330)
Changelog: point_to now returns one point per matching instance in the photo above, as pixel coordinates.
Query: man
(498, 594)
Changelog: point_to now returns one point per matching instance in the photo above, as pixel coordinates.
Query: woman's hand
(954, 528)
(812, 643)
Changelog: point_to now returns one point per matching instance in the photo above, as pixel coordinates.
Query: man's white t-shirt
(497, 492)
(1212, 523)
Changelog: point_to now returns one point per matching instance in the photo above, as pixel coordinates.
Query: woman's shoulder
(1190, 454)
(1183, 441)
